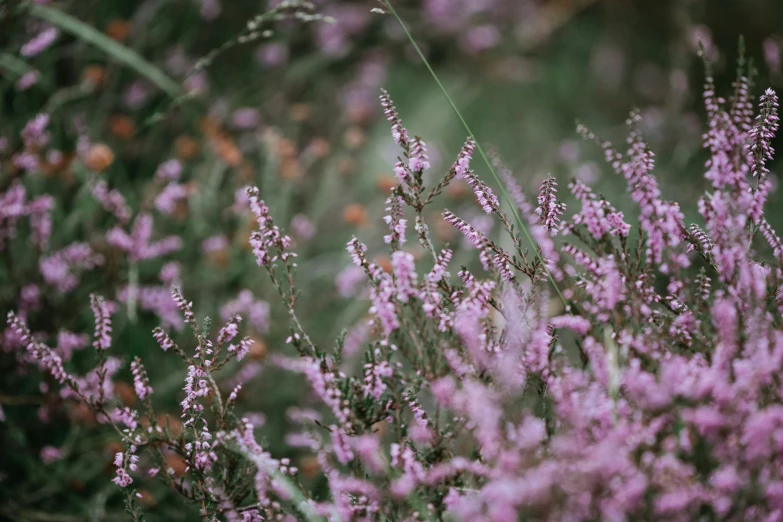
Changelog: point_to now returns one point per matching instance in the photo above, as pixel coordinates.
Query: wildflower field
(391, 260)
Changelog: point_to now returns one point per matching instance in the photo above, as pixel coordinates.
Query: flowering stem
(519, 221)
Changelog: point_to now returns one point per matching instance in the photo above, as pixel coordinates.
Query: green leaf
(114, 49)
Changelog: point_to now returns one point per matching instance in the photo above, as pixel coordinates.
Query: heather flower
(61, 269)
(368, 450)
(272, 54)
(169, 273)
(462, 164)
(760, 150)
(475, 237)
(155, 299)
(138, 245)
(402, 173)
(438, 271)
(40, 42)
(123, 462)
(598, 215)
(126, 417)
(268, 243)
(396, 222)
(576, 324)
(245, 118)
(214, 244)
(136, 95)
(34, 133)
(303, 227)
(762, 133)
(350, 281)
(30, 297)
(382, 296)
(141, 383)
(229, 331)
(323, 383)
(357, 251)
(40, 212)
(606, 286)
(355, 339)
(26, 161)
(169, 171)
(772, 54)
(102, 323)
(171, 196)
(112, 201)
(69, 342)
(418, 161)
(196, 386)
(651, 395)
(256, 310)
(241, 349)
(340, 446)
(45, 356)
(661, 221)
(430, 299)
(549, 209)
(163, 340)
(185, 307)
(50, 455)
(374, 374)
(399, 133)
(27, 80)
(12, 208)
(486, 198)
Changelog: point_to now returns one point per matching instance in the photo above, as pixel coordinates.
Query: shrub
(654, 394)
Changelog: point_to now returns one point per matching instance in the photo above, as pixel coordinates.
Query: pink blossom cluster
(600, 374)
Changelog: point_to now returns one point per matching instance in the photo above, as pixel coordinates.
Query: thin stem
(519, 221)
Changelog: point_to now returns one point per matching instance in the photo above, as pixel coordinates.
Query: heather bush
(515, 358)
(654, 394)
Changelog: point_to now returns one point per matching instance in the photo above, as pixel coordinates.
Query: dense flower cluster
(653, 392)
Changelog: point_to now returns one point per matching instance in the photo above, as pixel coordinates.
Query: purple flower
(214, 244)
(34, 133)
(256, 310)
(357, 250)
(61, 269)
(40, 42)
(486, 198)
(303, 227)
(27, 80)
(50, 454)
(272, 54)
(68, 342)
(171, 195)
(395, 221)
(404, 269)
(419, 161)
(112, 201)
(169, 170)
(245, 118)
(137, 245)
(399, 133)
(102, 322)
(141, 383)
(548, 207)
(268, 243)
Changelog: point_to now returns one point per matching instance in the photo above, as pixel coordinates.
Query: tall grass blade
(114, 49)
(483, 154)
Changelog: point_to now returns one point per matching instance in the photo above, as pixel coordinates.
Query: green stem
(118, 51)
(480, 149)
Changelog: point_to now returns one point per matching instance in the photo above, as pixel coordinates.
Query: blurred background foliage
(295, 111)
